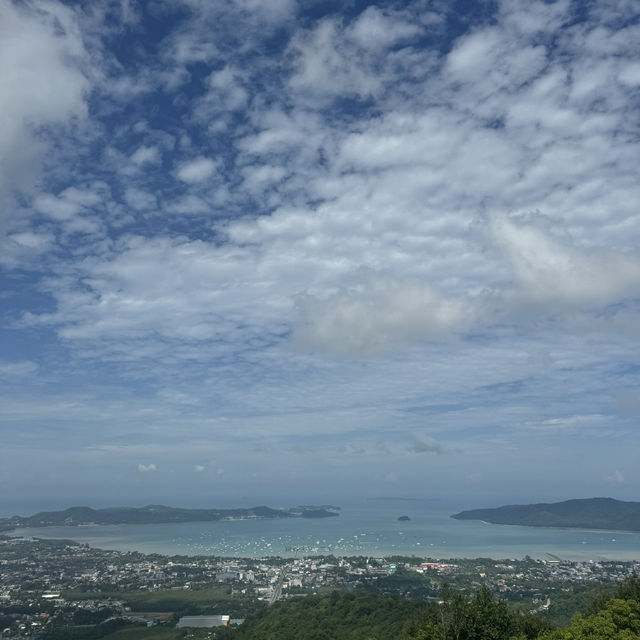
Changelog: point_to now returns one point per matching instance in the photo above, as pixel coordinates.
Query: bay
(370, 528)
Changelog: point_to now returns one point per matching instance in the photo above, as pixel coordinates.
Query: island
(404, 519)
(157, 514)
(588, 513)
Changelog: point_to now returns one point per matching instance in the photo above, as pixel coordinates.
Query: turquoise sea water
(371, 528)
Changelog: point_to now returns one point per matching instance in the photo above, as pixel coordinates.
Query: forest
(612, 614)
(587, 513)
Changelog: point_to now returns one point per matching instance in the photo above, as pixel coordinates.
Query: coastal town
(51, 584)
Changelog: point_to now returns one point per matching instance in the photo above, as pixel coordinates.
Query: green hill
(156, 514)
(589, 513)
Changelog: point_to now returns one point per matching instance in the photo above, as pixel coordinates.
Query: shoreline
(362, 530)
(533, 526)
(95, 525)
(563, 556)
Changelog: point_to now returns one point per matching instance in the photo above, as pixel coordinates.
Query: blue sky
(280, 250)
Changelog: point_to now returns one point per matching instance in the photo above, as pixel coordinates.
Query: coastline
(491, 555)
(263, 549)
(533, 526)
(363, 529)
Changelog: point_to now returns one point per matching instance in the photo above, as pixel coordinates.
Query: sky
(317, 250)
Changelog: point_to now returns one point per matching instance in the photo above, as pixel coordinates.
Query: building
(203, 621)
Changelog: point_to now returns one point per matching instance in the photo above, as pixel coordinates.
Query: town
(57, 584)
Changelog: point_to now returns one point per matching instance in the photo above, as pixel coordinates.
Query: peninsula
(157, 514)
(588, 513)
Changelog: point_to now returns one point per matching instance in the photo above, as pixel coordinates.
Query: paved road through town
(277, 589)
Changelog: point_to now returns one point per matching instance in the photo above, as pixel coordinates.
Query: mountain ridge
(157, 514)
(579, 513)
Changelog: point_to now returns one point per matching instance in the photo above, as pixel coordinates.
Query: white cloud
(196, 170)
(129, 12)
(140, 199)
(374, 29)
(615, 478)
(18, 248)
(145, 468)
(11, 370)
(227, 88)
(174, 288)
(360, 212)
(383, 314)
(557, 275)
(595, 423)
(326, 67)
(32, 240)
(425, 444)
(146, 155)
(630, 74)
(41, 83)
(67, 204)
(390, 256)
(57, 208)
(256, 178)
(272, 12)
(474, 54)
(189, 204)
(199, 468)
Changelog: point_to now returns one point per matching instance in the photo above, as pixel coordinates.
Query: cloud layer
(346, 237)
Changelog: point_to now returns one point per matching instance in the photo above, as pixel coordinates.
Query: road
(277, 589)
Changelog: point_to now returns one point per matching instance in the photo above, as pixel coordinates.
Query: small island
(404, 519)
(589, 513)
(158, 514)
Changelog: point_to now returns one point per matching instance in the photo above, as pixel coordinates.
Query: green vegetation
(86, 632)
(158, 514)
(343, 616)
(156, 600)
(122, 630)
(334, 617)
(404, 584)
(152, 633)
(591, 513)
(619, 620)
(182, 602)
(587, 599)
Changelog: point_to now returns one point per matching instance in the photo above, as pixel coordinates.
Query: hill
(588, 513)
(156, 514)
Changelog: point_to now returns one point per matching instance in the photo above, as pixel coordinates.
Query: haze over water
(366, 528)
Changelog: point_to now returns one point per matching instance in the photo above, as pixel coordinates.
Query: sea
(370, 528)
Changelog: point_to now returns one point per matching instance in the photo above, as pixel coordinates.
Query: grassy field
(139, 633)
(156, 633)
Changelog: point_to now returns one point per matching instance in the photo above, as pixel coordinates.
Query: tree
(619, 620)
(489, 617)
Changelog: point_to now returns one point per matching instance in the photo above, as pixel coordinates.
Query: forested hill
(589, 513)
(482, 616)
(159, 514)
